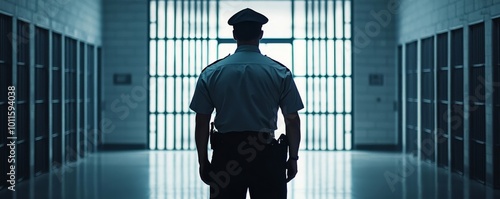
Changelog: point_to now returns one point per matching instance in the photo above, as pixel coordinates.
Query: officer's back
(248, 83)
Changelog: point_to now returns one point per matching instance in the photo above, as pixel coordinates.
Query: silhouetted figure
(246, 89)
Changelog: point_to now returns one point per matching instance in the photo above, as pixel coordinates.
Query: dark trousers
(247, 160)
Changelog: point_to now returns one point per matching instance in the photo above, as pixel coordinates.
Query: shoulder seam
(278, 63)
(215, 62)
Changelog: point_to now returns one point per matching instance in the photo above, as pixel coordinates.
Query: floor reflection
(322, 175)
(175, 175)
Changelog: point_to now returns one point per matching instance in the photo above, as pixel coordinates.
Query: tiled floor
(322, 175)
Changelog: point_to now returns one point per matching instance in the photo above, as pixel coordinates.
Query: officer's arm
(292, 121)
(201, 136)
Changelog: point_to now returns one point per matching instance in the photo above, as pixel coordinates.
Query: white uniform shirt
(246, 89)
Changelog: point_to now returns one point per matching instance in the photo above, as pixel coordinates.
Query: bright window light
(312, 38)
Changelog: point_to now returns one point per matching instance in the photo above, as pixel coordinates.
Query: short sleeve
(201, 101)
(290, 101)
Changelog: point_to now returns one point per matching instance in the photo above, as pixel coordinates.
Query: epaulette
(215, 62)
(278, 62)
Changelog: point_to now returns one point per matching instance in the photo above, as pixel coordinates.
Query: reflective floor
(322, 175)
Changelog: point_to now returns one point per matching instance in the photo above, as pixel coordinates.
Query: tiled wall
(125, 51)
(374, 53)
(78, 19)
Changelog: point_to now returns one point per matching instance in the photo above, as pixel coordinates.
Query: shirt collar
(247, 48)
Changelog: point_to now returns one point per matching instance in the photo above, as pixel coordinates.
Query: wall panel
(411, 98)
(496, 102)
(5, 79)
(443, 102)
(23, 108)
(477, 112)
(57, 101)
(457, 100)
(70, 99)
(41, 100)
(428, 101)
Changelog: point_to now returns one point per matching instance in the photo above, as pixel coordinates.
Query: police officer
(246, 89)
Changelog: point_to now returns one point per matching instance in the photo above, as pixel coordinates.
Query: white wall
(374, 52)
(125, 42)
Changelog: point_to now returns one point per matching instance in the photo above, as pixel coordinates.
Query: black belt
(233, 139)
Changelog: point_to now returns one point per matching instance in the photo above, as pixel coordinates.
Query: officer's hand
(205, 169)
(291, 170)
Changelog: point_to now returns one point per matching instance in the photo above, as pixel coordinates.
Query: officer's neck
(252, 43)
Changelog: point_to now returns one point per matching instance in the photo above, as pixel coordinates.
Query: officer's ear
(261, 34)
(234, 36)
